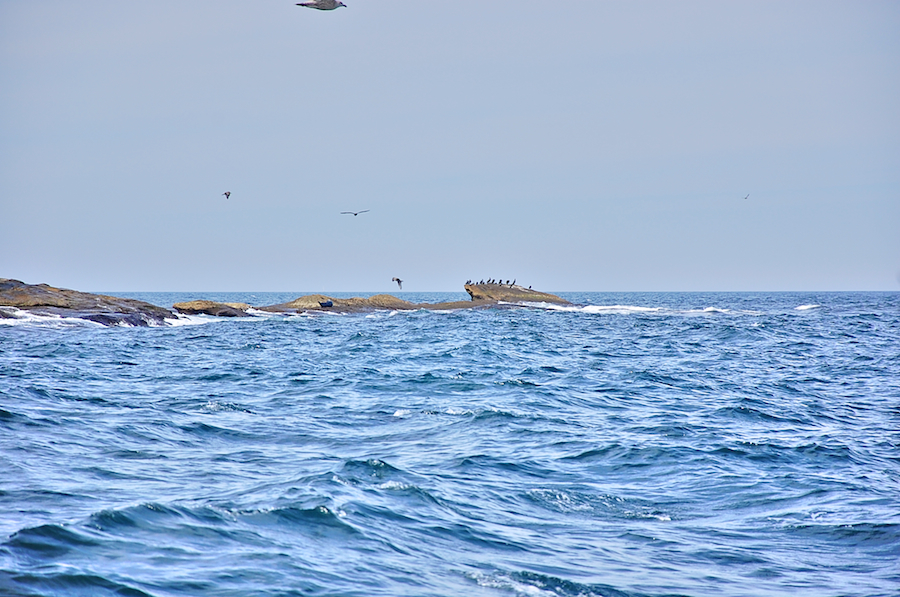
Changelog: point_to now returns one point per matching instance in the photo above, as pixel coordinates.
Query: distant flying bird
(227, 194)
(748, 194)
(322, 4)
(355, 213)
(398, 281)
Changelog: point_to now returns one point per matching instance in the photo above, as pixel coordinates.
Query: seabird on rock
(227, 194)
(322, 4)
(398, 281)
(355, 213)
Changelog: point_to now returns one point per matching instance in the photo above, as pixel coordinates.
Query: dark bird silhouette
(398, 281)
(227, 194)
(355, 213)
(748, 194)
(322, 4)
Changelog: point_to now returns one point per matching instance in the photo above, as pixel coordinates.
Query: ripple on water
(644, 445)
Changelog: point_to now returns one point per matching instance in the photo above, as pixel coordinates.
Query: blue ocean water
(638, 445)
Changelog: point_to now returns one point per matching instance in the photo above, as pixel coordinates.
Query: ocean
(639, 444)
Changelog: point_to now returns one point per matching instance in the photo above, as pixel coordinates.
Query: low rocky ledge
(212, 308)
(511, 293)
(320, 302)
(482, 295)
(41, 299)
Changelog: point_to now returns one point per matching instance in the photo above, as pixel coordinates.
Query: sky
(573, 146)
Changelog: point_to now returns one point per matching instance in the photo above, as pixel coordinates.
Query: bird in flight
(322, 4)
(398, 281)
(748, 194)
(355, 213)
(227, 194)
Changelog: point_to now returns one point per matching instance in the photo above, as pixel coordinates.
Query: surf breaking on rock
(42, 299)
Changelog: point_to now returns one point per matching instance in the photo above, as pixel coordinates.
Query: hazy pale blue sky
(581, 145)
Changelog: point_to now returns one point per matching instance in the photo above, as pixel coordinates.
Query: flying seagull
(355, 213)
(748, 194)
(227, 194)
(398, 281)
(322, 4)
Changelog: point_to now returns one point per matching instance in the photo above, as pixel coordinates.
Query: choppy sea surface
(637, 445)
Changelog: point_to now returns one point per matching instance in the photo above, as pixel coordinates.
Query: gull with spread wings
(355, 213)
(322, 4)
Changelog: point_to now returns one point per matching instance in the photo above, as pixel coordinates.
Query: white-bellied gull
(322, 4)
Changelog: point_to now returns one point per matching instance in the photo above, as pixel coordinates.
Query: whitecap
(598, 309)
(394, 485)
(22, 317)
(185, 320)
(710, 310)
(806, 307)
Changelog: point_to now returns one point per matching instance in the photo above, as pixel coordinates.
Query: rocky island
(41, 299)
(482, 296)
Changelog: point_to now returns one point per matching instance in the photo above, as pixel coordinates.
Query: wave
(533, 584)
(595, 309)
(17, 317)
(806, 307)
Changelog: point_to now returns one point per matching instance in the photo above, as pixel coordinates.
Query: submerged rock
(212, 308)
(41, 299)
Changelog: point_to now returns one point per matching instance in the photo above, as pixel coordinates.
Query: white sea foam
(184, 320)
(807, 307)
(710, 310)
(22, 317)
(598, 309)
(260, 313)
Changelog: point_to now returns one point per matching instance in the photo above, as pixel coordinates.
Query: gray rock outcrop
(41, 299)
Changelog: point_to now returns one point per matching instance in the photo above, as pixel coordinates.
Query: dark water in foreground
(651, 444)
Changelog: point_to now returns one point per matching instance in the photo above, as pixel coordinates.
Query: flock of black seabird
(493, 281)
